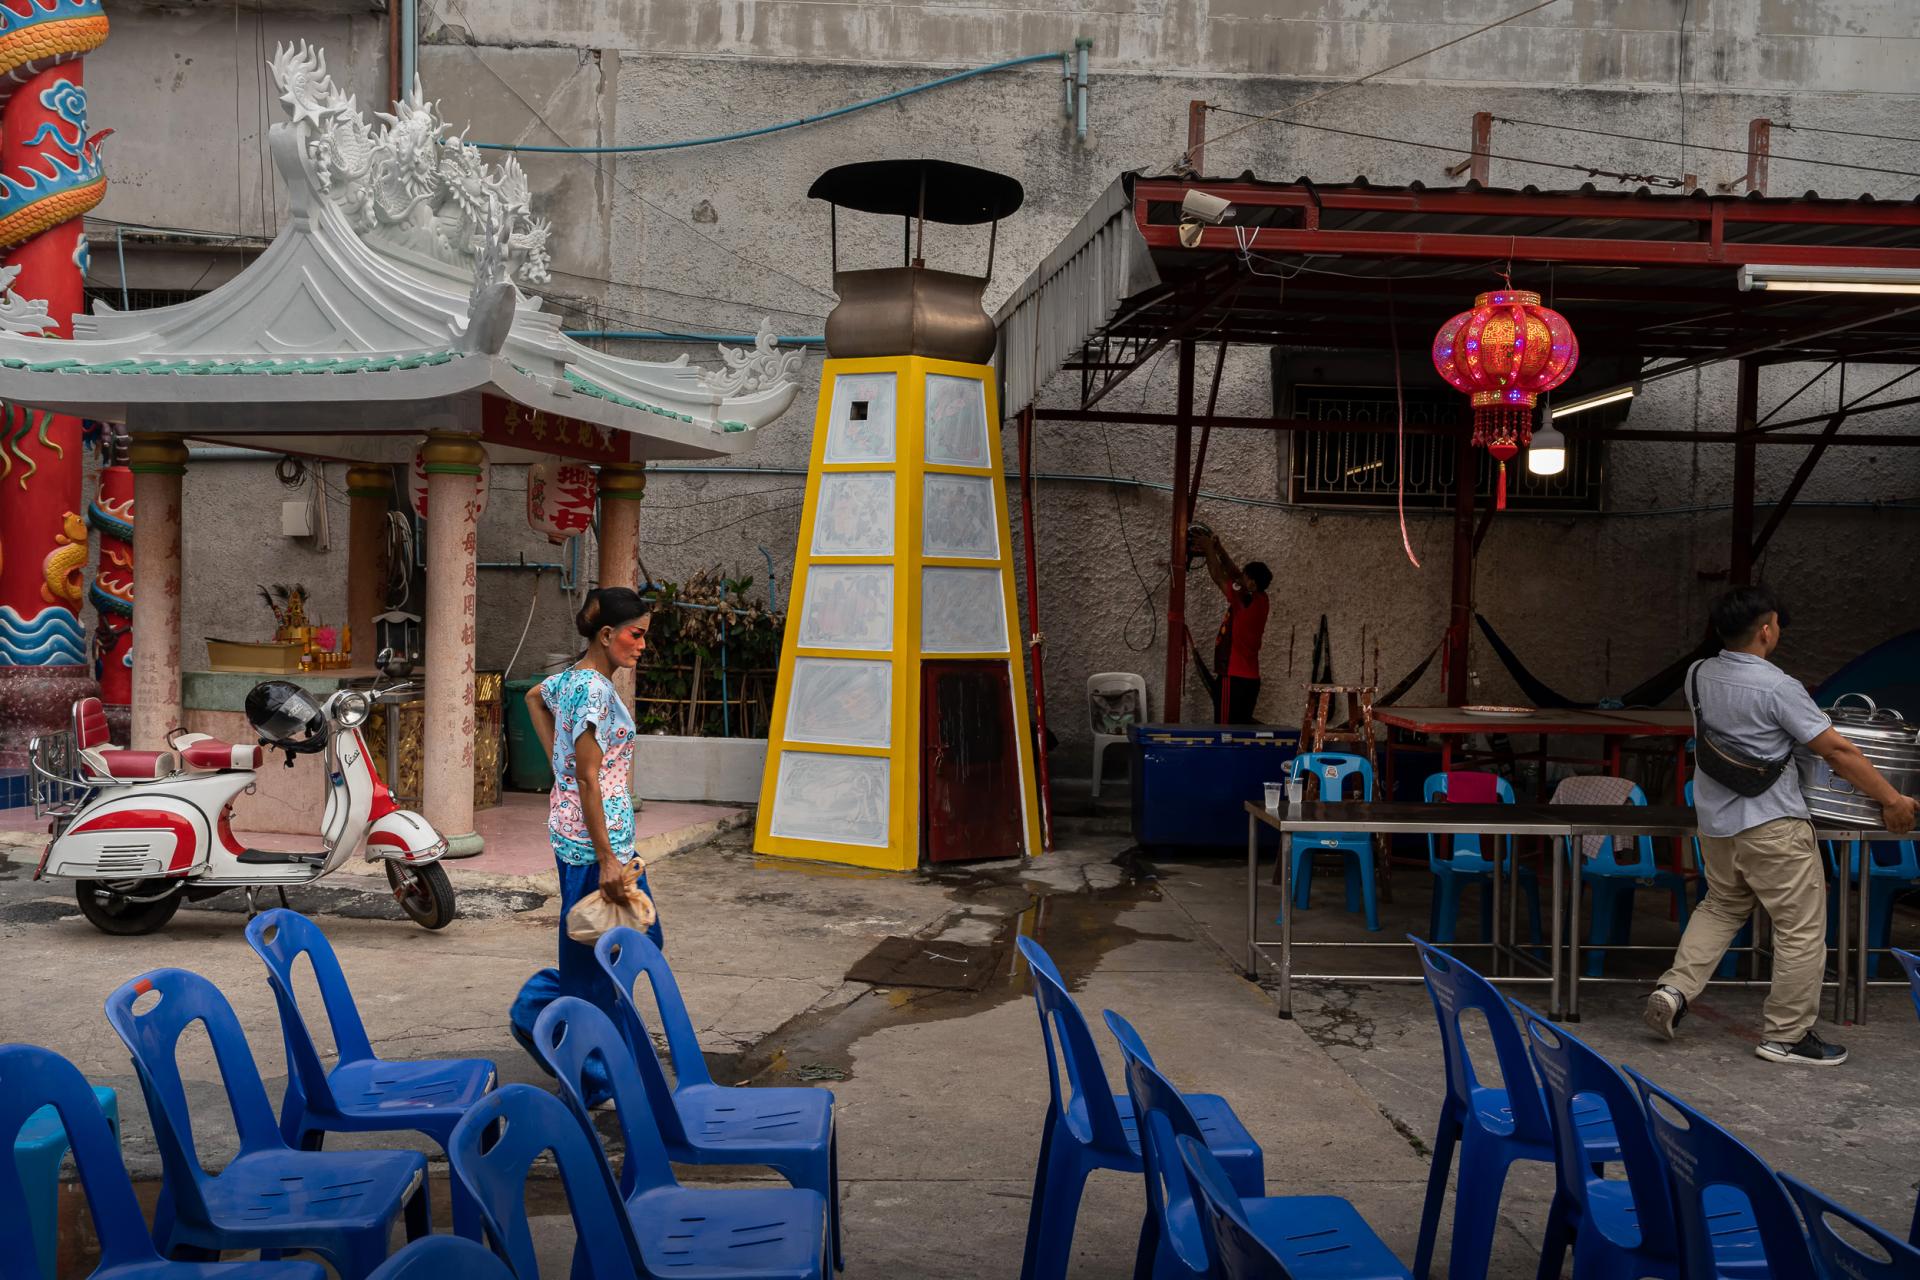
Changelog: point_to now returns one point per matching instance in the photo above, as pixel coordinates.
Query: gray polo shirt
(1757, 708)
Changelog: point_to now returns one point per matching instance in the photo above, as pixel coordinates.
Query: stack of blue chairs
(1694, 1203)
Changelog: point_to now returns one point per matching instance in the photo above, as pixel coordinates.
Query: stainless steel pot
(1885, 738)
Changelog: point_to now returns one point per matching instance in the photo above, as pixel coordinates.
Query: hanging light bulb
(1547, 454)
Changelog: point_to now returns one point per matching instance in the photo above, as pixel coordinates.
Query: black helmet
(286, 716)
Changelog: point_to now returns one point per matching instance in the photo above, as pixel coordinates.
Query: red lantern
(560, 498)
(1503, 354)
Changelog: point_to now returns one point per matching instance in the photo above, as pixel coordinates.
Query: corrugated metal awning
(1072, 295)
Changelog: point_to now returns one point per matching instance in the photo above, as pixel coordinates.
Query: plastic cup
(1273, 797)
(1296, 789)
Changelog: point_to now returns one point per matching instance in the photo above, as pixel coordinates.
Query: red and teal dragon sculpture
(50, 176)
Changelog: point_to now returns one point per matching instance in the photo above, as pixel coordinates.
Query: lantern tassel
(1500, 490)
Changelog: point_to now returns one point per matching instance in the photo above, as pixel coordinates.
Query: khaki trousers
(1775, 865)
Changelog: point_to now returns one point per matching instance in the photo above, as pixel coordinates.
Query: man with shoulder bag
(1756, 835)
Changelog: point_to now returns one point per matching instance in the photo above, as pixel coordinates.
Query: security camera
(1200, 206)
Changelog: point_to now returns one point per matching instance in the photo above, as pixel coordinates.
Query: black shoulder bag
(1738, 772)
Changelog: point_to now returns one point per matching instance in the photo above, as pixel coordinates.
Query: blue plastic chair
(773, 1234)
(1279, 1237)
(1492, 1126)
(1334, 769)
(340, 1205)
(789, 1130)
(1839, 1257)
(32, 1078)
(1315, 1236)
(1893, 868)
(1469, 865)
(495, 1146)
(1613, 880)
(438, 1257)
(363, 1093)
(1620, 1228)
(38, 1149)
(1699, 1156)
(1911, 963)
(1090, 1127)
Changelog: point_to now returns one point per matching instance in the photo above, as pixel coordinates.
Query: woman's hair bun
(608, 607)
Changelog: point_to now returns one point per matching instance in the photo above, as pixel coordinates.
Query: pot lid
(1872, 721)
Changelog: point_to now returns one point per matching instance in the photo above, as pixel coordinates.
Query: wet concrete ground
(940, 1094)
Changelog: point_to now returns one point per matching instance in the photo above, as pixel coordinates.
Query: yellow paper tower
(900, 730)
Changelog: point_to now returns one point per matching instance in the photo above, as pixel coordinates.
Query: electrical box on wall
(296, 518)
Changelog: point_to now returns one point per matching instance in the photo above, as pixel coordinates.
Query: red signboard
(510, 423)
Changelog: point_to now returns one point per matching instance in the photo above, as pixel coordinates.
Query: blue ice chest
(1189, 781)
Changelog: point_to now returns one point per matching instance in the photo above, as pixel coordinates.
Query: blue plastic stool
(1620, 1228)
(1469, 865)
(1493, 1127)
(1911, 964)
(31, 1079)
(1837, 1255)
(772, 1234)
(37, 1153)
(438, 1257)
(1893, 867)
(789, 1130)
(492, 1150)
(1333, 769)
(1279, 1237)
(1699, 1157)
(339, 1204)
(1090, 1127)
(362, 1093)
(1613, 881)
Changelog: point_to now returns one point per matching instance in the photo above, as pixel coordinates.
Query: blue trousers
(578, 974)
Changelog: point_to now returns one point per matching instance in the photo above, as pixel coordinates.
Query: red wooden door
(969, 763)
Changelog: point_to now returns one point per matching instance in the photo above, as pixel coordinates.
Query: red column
(111, 515)
(1176, 677)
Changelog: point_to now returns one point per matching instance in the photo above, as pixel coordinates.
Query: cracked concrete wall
(711, 239)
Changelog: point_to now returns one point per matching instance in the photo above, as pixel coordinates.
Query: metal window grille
(139, 299)
(1361, 469)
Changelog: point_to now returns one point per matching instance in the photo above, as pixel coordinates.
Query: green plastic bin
(528, 768)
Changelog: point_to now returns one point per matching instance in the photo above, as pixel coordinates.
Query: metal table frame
(1561, 826)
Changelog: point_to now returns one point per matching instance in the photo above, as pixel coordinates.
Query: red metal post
(1475, 165)
(1745, 411)
(1197, 135)
(1460, 615)
(1035, 639)
(1177, 561)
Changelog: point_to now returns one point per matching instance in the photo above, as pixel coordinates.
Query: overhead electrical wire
(1702, 146)
(1845, 133)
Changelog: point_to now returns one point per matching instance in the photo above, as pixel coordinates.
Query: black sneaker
(1812, 1051)
(1665, 1008)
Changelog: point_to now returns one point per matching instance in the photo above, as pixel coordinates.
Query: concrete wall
(710, 239)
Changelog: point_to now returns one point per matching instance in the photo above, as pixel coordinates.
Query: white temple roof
(385, 308)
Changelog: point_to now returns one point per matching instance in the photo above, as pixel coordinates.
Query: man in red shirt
(1236, 649)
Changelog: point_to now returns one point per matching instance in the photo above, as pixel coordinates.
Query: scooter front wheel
(128, 908)
(424, 893)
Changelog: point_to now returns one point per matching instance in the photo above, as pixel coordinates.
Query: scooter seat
(209, 755)
(130, 766)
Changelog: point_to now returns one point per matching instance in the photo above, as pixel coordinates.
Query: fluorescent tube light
(1829, 279)
(1613, 395)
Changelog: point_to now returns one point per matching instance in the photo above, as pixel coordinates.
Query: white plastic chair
(1111, 685)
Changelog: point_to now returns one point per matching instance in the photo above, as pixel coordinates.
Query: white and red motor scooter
(141, 831)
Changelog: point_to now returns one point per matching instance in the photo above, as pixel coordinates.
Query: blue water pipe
(632, 148)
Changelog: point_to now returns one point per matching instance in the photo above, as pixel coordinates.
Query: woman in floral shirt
(588, 732)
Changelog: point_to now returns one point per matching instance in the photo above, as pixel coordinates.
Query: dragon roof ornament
(400, 183)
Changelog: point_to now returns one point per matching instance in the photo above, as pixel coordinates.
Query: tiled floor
(515, 831)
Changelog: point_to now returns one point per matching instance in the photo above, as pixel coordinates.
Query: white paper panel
(845, 701)
(962, 611)
(842, 799)
(855, 439)
(848, 606)
(959, 517)
(855, 517)
(956, 421)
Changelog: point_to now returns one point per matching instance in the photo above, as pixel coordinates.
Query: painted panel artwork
(855, 517)
(956, 421)
(841, 799)
(962, 611)
(845, 701)
(959, 518)
(860, 428)
(848, 607)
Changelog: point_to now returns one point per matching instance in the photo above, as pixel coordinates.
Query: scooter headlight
(352, 709)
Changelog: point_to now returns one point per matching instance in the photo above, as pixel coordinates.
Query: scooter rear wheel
(128, 908)
(424, 893)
